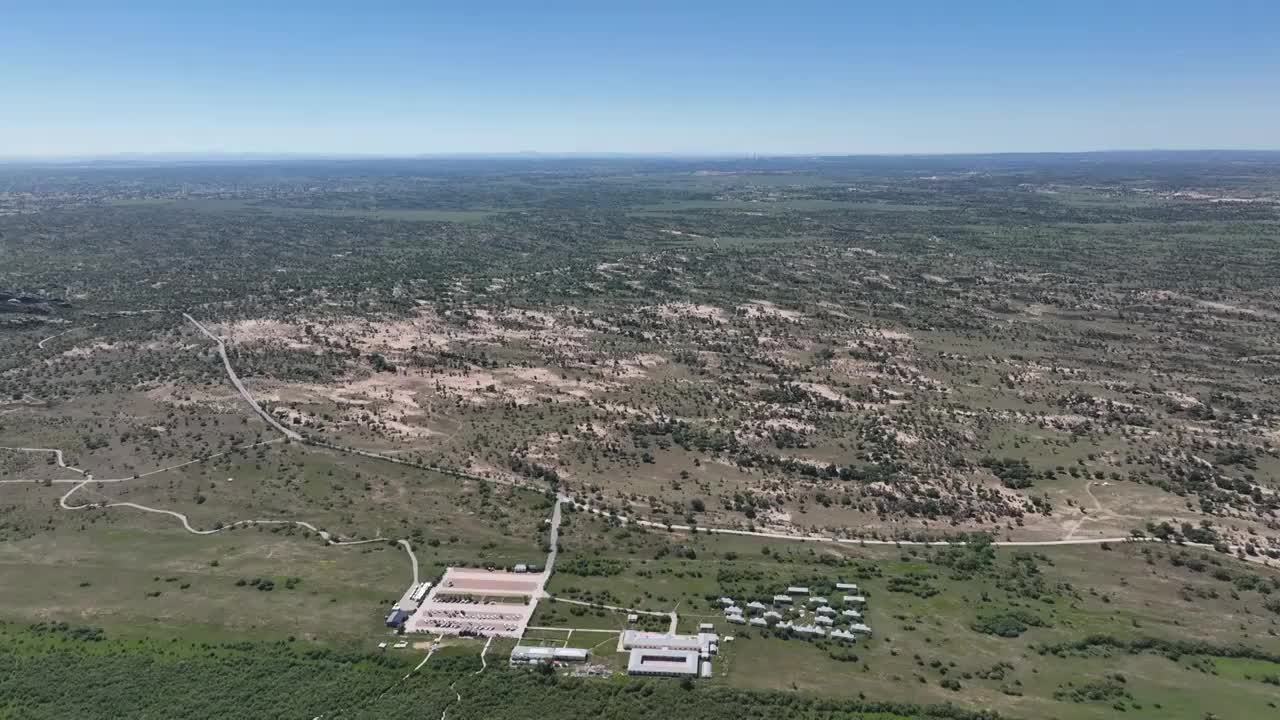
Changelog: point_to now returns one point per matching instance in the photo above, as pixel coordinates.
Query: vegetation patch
(1007, 623)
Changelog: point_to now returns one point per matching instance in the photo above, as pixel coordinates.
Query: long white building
(669, 654)
(671, 663)
(533, 654)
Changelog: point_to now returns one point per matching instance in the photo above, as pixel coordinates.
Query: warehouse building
(669, 663)
(533, 654)
(669, 654)
(641, 640)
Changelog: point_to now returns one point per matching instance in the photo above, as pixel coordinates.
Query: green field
(1009, 348)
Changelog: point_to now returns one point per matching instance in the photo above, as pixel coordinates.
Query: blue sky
(786, 76)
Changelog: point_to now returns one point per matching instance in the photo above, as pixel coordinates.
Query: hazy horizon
(717, 79)
(231, 156)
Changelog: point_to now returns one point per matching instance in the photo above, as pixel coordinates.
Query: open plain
(1029, 405)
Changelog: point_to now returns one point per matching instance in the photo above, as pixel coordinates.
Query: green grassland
(882, 348)
(141, 572)
(926, 605)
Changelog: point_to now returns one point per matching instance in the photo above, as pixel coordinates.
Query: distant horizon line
(223, 155)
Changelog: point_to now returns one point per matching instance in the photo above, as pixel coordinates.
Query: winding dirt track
(560, 497)
(412, 558)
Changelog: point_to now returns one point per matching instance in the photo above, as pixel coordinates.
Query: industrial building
(671, 663)
(533, 654)
(669, 654)
(641, 640)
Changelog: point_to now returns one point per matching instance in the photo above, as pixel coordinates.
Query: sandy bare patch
(889, 334)
(91, 349)
(691, 310)
(763, 308)
(638, 366)
(186, 396)
(789, 424)
(823, 391)
(262, 330)
(1182, 399)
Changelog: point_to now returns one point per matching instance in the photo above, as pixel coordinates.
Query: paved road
(235, 380)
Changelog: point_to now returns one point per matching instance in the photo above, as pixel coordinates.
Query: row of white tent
(824, 614)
